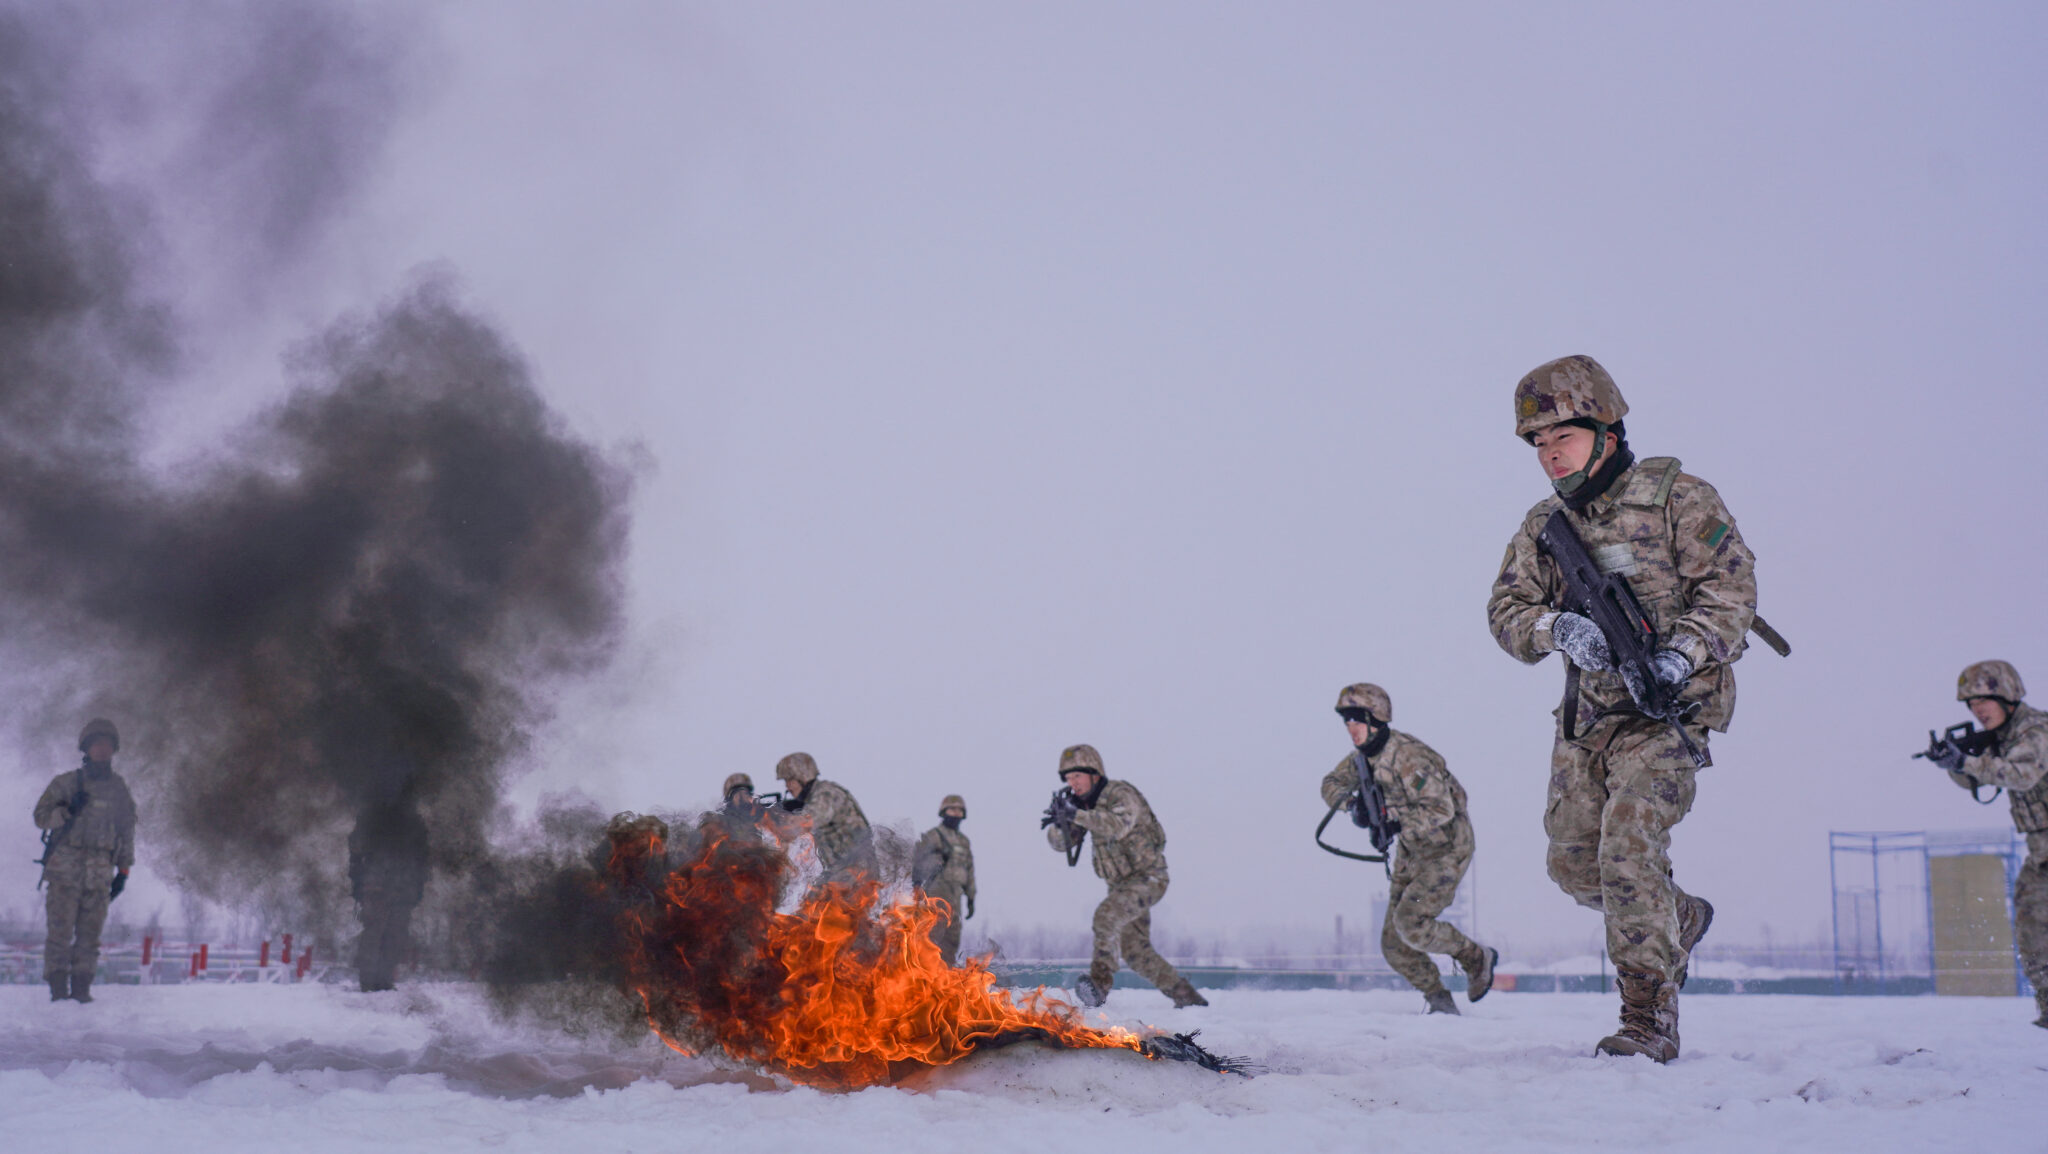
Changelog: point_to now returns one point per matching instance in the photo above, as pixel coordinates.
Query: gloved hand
(970, 907)
(1582, 641)
(120, 883)
(1671, 666)
(1949, 757)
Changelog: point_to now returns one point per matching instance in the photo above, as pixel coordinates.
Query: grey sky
(1140, 374)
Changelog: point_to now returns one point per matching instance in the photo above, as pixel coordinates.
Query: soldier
(388, 860)
(2017, 761)
(739, 795)
(943, 867)
(89, 819)
(1619, 780)
(839, 830)
(1436, 846)
(1130, 854)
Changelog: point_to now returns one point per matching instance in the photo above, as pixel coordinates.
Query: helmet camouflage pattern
(1573, 388)
(797, 767)
(1368, 697)
(1081, 757)
(98, 727)
(738, 781)
(953, 801)
(1990, 679)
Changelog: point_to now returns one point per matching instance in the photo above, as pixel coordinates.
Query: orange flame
(842, 993)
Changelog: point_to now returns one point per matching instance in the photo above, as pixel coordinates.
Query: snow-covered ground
(310, 1069)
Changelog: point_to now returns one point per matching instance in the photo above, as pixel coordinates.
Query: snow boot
(1088, 993)
(1478, 966)
(81, 987)
(1694, 916)
(60, 988)
(1649, 1018)
(1440, 1002)
(1184, 995)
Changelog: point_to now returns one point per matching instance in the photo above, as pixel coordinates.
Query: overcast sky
(1140, 375)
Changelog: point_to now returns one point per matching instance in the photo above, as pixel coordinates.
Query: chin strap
(1569, 484)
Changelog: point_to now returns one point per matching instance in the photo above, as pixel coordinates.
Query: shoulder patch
(1713, 533)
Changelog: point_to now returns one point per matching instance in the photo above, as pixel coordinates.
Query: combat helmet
(1991, 679)
(953, 801)
(737, 781)
(1368, 697)
(1573, 388)
(797, 767)
(98, 727)
(1081, 757)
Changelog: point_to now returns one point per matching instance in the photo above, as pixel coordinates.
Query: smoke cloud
(330, 638)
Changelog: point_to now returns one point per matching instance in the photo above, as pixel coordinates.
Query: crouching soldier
(839, 830)
(2012, 753)
(1427, 808)
(88, 819)
(1130, 854)
(943, 867)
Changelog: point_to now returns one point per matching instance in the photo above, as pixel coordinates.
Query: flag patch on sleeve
(1714, 533)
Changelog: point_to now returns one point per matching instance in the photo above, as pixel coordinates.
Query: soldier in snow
(1620, 780)
(1435, 837)
(839, 830)
(2013, 755)
(943, 867)
(88, 819)
(1130, 854)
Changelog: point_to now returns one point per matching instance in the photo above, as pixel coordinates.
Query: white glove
(1582, 641)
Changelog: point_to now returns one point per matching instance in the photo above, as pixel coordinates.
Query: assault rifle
(1368, 808)
(53, 838)
(1061, 813)
(1609, 601)
(1973, 742)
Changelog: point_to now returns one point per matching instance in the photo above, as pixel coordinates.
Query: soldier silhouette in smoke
(387, 873)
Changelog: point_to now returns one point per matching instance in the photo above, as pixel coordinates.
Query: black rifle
(1973, 742)
(1368, 808)
(1609, 601)
(52, 838)
(1061, 813)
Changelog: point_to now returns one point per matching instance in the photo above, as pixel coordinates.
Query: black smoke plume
(331, 637)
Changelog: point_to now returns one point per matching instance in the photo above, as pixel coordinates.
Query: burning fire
(843, 993)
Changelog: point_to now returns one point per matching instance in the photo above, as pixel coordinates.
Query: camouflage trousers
(1123, 926)
(76, 909)
(1614, 796)
(1425, 882)
(946, 934)
(2030, 911)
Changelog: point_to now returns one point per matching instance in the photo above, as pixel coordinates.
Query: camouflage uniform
(1620, 781)
(1434, 850)
(2019, 764)
(80, 870)
(1129, 854)
(943, 866)
(839, 830)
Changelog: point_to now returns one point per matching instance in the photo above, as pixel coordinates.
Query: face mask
(950, 822)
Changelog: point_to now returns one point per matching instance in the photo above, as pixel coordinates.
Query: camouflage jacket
(1129, 842)
(838, 828)
(2019, 764)
(944, 860)
(1670, 535)
(1421, 793)
(105, 826)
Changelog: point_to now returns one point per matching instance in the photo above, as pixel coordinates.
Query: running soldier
(943, 867)
(1130, 854)
(839, 830)
(1620, 780)
(2015, 759)
(1435, 838)
(88, 817)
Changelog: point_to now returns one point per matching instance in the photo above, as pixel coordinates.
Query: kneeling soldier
(1435, 837)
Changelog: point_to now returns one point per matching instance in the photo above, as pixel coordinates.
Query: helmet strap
(1570, 484)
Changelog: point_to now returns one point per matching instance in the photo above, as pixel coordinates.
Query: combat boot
(1184, 994)
(81, 987)
(1649, 1018)
(60, 988)
(1440, 1002)
(1694, 916)
(2041, 1004)
(1092, 988)
(1478, 963)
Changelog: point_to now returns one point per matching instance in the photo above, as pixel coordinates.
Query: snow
(313, 1069)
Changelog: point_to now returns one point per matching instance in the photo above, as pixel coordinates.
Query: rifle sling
(1568, 711)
